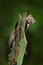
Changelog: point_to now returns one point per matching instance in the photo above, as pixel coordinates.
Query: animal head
(30, 20)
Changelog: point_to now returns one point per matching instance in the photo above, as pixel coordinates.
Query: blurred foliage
(9, 11)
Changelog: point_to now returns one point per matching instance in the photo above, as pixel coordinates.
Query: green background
(9, 11)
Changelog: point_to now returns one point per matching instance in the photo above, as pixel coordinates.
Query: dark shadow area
(28, 47)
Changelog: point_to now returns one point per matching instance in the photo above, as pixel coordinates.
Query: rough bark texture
(19, 46)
